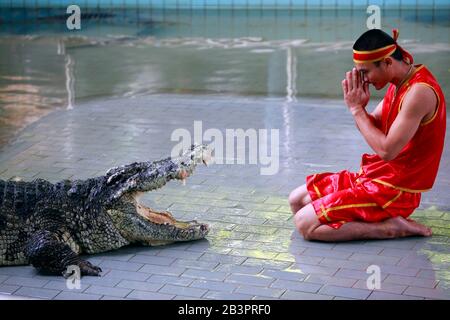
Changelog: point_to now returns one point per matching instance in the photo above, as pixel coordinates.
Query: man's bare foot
(400, 227)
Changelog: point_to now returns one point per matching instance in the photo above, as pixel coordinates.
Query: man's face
(377, 76)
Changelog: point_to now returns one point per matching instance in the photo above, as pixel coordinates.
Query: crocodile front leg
(47, 253)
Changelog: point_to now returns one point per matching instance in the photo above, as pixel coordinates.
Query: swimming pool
(129, 52)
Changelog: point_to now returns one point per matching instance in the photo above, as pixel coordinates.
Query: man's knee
(299, 197)
(302, 226)
(306, 221)
(293, 198)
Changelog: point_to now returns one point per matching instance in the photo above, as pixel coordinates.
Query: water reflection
(240, 52)
(291, 72)
(70, 82)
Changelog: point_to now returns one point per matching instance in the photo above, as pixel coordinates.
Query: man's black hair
(376, 39)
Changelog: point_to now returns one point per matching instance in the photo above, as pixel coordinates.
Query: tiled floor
(253, 251)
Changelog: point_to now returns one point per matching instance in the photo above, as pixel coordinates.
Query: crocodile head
(138, 223)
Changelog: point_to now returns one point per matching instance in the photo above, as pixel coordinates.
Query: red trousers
(345, 196)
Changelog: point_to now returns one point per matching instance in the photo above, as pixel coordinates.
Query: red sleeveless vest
(416, 166)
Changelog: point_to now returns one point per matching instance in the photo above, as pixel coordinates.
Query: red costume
(385, 189)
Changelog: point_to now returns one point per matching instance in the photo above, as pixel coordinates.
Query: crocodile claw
(88, 269)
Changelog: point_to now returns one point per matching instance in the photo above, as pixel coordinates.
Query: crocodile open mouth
(165, 217)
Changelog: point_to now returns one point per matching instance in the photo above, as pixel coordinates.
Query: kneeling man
(406, 131)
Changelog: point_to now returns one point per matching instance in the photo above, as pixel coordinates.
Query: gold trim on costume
(387, 204)
(400, 188)
(315, 187)
(324, 212)
(424, 123)
(346, 206)
(401, 100)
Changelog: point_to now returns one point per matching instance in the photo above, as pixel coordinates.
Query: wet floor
(290, 54)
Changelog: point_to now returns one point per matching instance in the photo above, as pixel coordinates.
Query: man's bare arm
(376, 114)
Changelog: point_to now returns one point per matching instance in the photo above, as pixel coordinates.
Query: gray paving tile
(378, 295)
(116, 292)
(311, 269)
(195, 264)
(214, 285)
(258, 280)
(163, 279)
(384, 287)
(120, 265)
(284, 275)
(128, 275)
(139, 285)
(184, 291)
(345, 292)
(146, 295)
(169, 271)
(24, 271)
(300, 258)
(355, 274)
(414, 262)
(334, 280)
(372, 259)
(266, 263)
(427, 274)
(427, 293)
(160, 261)
(187, 298)
(264, 298)
(402, 243)
(8, 289)
(399, 270)
(296, 285)
(220, 295)
(231, 268)
(394, 252)
(36, 292)
(69, 295)
(297, 295)
(260, 291)
(24, 281)
(205, 275)
(222, 258)
(179, 254)
(62, 286)
(106, 281)
(411, 281)
(112, 298)
(340, 263)
(324, 253)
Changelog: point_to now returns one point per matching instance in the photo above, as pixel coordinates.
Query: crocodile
(51, 225)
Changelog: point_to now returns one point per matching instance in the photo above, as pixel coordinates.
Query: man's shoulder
(421, 98)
